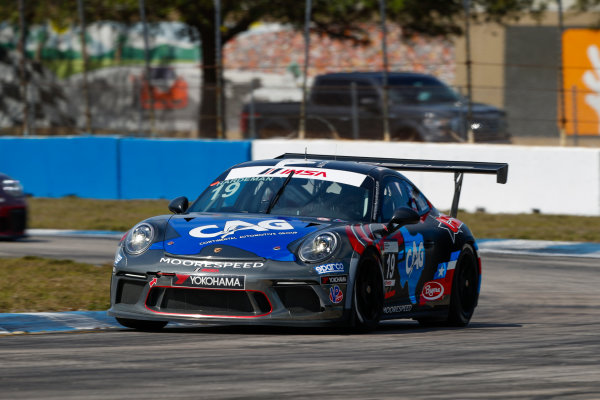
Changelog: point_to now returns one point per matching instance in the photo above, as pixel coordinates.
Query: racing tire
(465, 288)
(142, 325)
(367, 296)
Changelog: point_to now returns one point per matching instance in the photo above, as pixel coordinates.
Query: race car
(13, 208)
(311, 240)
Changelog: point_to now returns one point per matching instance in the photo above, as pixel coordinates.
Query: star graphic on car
(441, 272)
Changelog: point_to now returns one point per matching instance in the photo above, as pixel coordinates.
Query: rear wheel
(465, 288)
(142, 325)
(367, 297)
(465, 292)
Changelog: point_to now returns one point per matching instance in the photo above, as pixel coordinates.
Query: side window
(331, 92)
(393, 196)
(417, 201)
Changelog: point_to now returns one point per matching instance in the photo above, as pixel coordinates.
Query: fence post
(23, 72)
(148, 81)
(354, 110)
(307, 13)
(574, 109)
(386, 113)
(251, 116)
(84, 57)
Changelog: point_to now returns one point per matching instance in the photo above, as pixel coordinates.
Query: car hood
(235, 236)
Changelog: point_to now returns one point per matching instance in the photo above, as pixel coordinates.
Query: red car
(13, 208)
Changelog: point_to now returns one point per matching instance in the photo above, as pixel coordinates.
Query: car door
(405, 251)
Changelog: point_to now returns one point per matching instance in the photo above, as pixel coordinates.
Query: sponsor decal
(412, 266)
(389, 282)
(452, 225)
(231, 227)
(210, 282)
(153, 282)
(390, 294)
(329, 268)
(328, 280)
(326, 174)
(118, 257)
(297, 171)
(218, 249)
(211, 264)
(415, 257)
(390, 247)
(432, 291)
(335, 294)
(397, 309)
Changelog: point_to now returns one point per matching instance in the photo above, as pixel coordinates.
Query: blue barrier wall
(62, 166)
(169, 168)
(117, 168)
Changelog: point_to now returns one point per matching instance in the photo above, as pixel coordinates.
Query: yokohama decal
(210, 282)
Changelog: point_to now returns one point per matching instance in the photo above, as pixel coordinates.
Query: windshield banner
(324, 174)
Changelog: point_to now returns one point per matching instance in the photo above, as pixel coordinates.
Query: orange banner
(581, 82)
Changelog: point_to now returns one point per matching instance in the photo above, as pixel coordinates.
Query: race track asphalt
(533, 336)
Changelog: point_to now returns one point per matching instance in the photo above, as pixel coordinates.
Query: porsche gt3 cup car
(303, 240)
(13, 208)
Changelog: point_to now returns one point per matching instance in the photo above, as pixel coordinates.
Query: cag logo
(231, 227)
(415, 257)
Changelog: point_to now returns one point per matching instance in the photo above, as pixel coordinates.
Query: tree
(338, 18)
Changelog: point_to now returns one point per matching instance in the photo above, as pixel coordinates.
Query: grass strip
(121, 215)
(38, 284)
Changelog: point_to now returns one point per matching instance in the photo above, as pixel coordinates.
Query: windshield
(302, 196)
(420, 90)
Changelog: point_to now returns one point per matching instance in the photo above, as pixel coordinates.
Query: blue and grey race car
(304, 239)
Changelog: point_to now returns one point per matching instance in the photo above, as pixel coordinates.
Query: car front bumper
(281, 293)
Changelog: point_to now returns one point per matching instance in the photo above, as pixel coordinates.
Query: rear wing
(400, 164)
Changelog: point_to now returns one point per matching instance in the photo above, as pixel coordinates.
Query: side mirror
(402, 216)
(179, 205)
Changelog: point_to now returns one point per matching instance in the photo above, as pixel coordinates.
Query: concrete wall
(552, 180)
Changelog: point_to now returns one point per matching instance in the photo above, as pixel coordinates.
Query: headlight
(433, 121)
(139, 238)
(318, 247)
(12, 187)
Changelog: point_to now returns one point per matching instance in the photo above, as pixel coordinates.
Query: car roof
(377, 75)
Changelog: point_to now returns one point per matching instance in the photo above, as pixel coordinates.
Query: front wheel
(142, 325)
(367, 297)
